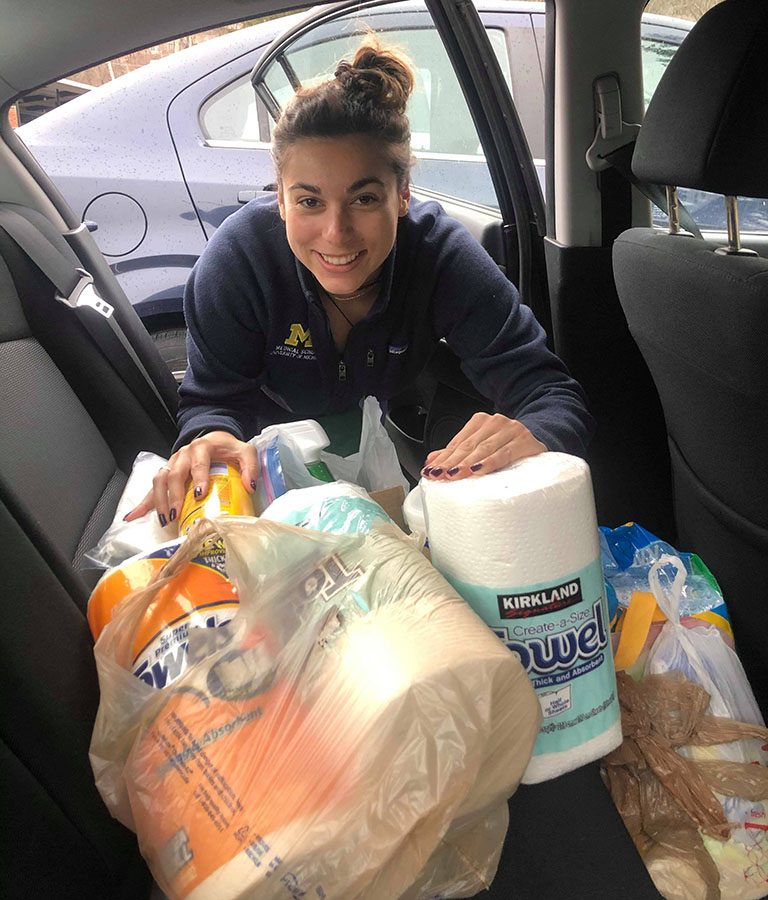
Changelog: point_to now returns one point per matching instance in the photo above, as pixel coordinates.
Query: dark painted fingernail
(172, 514)
(437, 471)
(253, 484)
(163, 520)
(125, 517)
(452, 471)
(197, 492)
(426, 470)
(475, 467)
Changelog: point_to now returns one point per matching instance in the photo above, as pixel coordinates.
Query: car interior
(663, 330)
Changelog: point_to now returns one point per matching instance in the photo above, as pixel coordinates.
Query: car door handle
(245, 196)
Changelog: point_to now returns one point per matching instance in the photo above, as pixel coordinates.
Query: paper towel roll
(521, 545)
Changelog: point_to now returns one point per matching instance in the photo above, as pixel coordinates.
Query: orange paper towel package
(201, 595)
(354, 730)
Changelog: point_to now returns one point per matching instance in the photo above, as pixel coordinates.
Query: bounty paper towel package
(521, 546)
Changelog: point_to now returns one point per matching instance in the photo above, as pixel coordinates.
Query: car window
(231, 114)
(659, 44)
(444, 138)
(314, 60)
(436, 90)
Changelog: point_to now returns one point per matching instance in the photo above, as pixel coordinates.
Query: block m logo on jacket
(299, 334)
(297, 346)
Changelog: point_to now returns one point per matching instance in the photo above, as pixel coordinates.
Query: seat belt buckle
(84, 294)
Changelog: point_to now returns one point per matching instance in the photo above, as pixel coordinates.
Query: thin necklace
(330, 297)
(354, 296)
(364, 290)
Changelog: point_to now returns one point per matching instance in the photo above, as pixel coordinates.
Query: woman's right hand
(169, 486)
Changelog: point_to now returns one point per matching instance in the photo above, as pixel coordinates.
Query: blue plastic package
(629, 553)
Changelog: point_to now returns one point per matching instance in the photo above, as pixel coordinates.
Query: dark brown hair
(367, 96)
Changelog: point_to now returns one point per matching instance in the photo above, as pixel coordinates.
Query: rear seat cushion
(57, 840)
(57, 472)
(59, 485)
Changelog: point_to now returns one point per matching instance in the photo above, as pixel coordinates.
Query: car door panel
(216, 169)
(484, 223)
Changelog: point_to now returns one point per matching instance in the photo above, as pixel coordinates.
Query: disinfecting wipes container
(521, 546)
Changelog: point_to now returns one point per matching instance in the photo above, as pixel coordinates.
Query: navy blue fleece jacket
(260, 347)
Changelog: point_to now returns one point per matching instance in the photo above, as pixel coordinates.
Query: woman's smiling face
(340, 202)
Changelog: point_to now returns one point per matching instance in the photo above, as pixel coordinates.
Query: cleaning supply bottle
(226, 496)
(308, 438)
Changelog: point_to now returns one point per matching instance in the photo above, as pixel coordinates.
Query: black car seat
(700, 314)
(69, 430)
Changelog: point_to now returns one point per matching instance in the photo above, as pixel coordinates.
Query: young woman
(341, 286)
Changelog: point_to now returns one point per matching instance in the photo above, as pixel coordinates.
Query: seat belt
(614, 144)
(621, 160)
(75, 289)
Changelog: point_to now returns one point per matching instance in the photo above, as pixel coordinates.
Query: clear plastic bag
(353, 731)
(711, 751)
(280, 469)
(375, 466)
(628, 554)
(700, 653)
(123, 540)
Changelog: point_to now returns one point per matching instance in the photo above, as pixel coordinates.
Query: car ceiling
(71, 35)
(593, 37)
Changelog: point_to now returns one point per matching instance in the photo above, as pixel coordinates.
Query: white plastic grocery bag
(355, 730)
(704, 657)
(375, 466)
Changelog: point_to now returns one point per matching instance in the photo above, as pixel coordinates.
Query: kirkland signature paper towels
(521, 546)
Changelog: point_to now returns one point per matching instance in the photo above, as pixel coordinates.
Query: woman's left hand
(485, 444)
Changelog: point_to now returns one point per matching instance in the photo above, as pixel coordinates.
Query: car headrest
(706, 126)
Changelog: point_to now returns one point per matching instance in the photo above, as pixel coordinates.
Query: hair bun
(377, 75)
(343, 73)
(367, 97)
